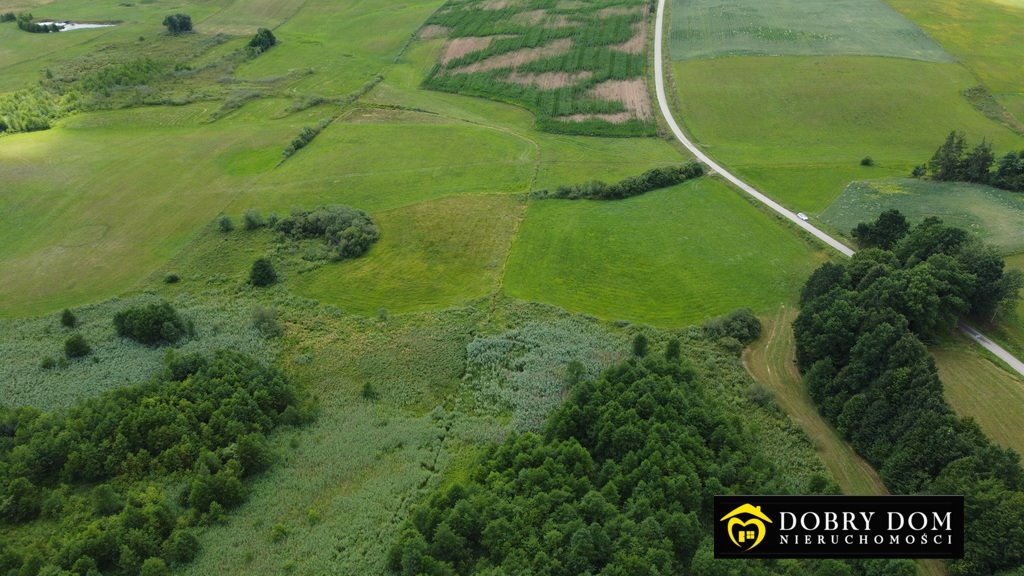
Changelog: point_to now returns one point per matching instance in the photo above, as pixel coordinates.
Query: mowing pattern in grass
(979, 386)
(579, 66)
(431, 255)
(799, 126)
(709, 28)
(670, 257)
(995, 215)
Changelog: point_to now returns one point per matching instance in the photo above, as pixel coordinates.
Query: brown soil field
(518, 57)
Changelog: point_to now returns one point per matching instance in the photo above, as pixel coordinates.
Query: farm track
(659, 82)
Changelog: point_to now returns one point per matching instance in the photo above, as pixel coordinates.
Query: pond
(67, 26)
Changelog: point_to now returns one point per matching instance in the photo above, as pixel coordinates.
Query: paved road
(659, 84)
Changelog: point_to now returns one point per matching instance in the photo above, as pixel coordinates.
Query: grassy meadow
(703, 250)
(997, 216)
(816, 117)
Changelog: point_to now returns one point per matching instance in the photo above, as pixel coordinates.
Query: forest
(128, 475)
(619, 482)
(860, 344)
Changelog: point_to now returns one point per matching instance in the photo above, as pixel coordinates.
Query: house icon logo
(746, 526)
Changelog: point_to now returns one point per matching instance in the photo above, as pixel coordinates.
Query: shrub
(76, 347)
(225, 224)
(48, 363)
(264, 320)
(8, 17)
(153, 325)
(154, 567)
(741, 325)
(252, 220)
(172, 278)
(672, 349)
(867, 161)
(640, 346)
(278, 532)
(261, 42)
(178, 23)
(68, 319)
(262, 273)
(369, 392)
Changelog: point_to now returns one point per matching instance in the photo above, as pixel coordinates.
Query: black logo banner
(839, 526)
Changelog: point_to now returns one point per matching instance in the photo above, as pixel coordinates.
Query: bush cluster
(25, 23)
(261, 42)
(859, 343)
(348, 232)
(305, 136)
(652, 179)
(152, 324)
(178, 23)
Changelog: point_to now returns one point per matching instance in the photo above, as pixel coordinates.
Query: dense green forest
(117, 483)
(859, 343)
(620, 482)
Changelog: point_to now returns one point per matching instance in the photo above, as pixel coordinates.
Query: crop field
(980, 387)
(580, 68)
(709, 28)
(995, 215)
(670, 257)
(815, 118)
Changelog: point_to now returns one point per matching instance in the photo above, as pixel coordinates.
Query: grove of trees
(859, 344)
(153, 324)
(263, 40)
(953, 162)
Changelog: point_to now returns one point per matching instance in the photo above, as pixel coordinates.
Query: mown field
(997, 216)
(707, 29)
(979, 386)
(671, 257)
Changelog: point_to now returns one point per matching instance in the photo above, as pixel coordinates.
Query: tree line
(101, 469)
(652, 179)
(953, 162)
(859, 345)
(620, 483)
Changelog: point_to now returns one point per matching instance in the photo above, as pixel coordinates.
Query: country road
(659, 84)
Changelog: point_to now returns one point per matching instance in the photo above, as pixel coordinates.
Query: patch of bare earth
(620, 11)
(632, 93)
(518, 57)
(458, 47)
(617, 118)
(433, 31)
(548, 80)
(531, 18)
(494, 4)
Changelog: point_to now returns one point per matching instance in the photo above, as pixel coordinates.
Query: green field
(670, 257)
(707, 28)
(797, 127)
(961, 27)
(981, 387)
(431, 255)
(997, 216)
